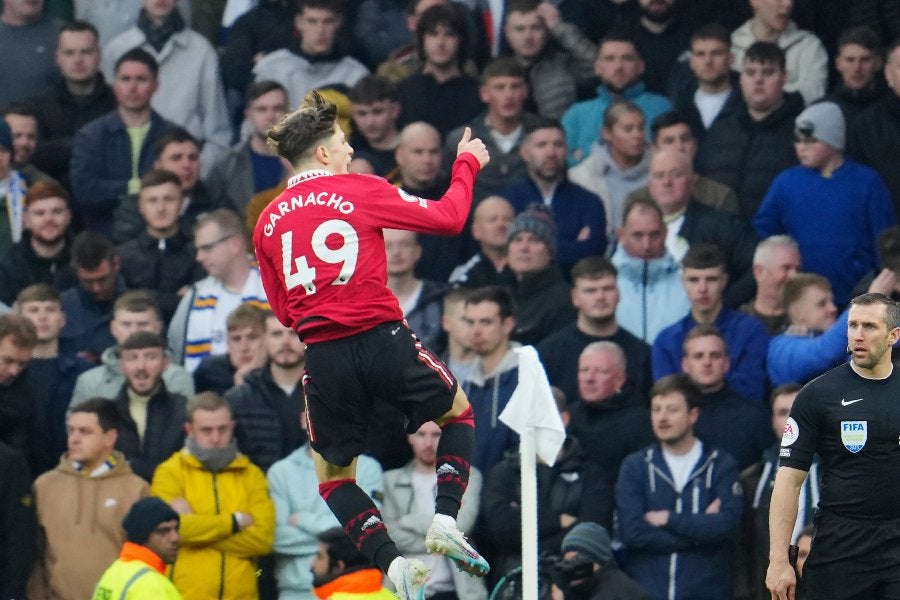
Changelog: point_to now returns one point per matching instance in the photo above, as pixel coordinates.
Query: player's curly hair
(295, 137)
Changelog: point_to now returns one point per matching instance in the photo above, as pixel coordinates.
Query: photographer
(588, 570)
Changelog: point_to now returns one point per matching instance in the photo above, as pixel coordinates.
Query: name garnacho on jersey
(320, 246)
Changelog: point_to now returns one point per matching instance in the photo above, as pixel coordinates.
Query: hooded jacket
(651, 296)
(806, 60)
(690, 556)
(488, 394)
(214, 560)
(106, 379)
(80, 517)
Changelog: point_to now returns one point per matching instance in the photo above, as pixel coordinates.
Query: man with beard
(619, 66)
(662, 34)
(579, 214)
(595, 295)
(152, 416)
(227, 517)
(25, 128)
(679, 503)
(340, 570)
(42, 255)
(849, 417)
(268, 404)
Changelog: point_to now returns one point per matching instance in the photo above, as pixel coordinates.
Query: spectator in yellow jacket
(227, 517)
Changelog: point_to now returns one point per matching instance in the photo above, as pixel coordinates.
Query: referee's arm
(780, 578)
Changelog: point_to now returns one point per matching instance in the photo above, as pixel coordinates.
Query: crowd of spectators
(682, 199)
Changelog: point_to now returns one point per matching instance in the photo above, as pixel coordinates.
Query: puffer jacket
(214, 561)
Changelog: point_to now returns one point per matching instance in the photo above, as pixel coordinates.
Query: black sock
(361, 520)
(454, 453)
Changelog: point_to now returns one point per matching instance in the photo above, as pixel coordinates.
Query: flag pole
(528, 482)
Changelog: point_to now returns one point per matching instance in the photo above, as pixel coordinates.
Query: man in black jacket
(268, 404)
(161, 256)
(18, 530)
(152, 417)
(745, 149)
(81, 96)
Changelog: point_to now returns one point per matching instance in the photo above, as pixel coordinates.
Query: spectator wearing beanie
(151, 534)
(590, 541)
(834, 207)
(542, 295)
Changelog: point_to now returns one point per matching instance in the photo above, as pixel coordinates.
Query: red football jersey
(320, 246)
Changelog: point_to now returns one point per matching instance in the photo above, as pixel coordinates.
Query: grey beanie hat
(823, 121)
(537, 220)
(590, 540)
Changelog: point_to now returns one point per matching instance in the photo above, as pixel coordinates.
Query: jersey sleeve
(801, 433)
(391, 207)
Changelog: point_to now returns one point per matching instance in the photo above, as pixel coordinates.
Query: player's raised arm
(475, 147)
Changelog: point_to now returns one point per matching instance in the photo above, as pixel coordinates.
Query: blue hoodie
(690, 556)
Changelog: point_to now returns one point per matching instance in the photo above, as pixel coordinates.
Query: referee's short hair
(678, 383)
(891, 308)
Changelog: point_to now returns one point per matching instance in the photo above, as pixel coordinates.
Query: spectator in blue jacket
(579, 214)
(816, 339)
(679, 503)
(619, 66)
(834, 207)
(103, 167)
(705, 279)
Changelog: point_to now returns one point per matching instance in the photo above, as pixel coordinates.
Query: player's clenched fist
(476, 147)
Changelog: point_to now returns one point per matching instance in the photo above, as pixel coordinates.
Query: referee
(850, 416)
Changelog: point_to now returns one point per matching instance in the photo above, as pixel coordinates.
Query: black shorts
(852, 559)
(345, 377)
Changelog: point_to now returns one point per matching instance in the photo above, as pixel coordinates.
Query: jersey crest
(854, 435)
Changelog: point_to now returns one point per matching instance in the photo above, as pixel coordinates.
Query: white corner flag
(532, 407)
(532, 413)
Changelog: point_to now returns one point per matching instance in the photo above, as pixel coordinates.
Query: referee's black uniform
(853, 424)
